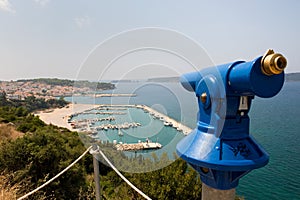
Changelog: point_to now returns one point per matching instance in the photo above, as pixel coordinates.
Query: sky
(96, 39)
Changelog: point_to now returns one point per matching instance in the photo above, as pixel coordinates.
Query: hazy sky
(59, 38)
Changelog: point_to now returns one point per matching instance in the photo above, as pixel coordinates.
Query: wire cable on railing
(123, 177)
(67, 168)
(52, 179)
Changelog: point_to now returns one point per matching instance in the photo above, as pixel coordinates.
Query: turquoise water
(275, 125)
(151, 128)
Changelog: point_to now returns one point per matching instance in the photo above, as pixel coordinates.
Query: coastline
(59, 116)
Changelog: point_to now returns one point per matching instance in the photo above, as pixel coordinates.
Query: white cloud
(42, 2)
(6, 6)
(82, 22)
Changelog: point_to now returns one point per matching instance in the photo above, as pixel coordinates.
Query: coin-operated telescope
(220, 148)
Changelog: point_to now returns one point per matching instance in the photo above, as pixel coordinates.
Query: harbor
(81, 125)
(111, 126)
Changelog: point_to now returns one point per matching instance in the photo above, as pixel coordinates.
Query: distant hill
(292, 77)
(66, 82)
(288, 77)
(164, 79)
(49, 81)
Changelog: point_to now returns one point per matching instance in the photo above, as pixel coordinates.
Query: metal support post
(94, 151)
(209, 193)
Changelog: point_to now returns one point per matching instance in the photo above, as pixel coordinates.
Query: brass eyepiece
(203, 97)
(273, 63)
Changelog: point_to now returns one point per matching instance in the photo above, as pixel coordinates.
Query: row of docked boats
(76, 124)
(104, 113)
(89, 128)
(94, 120)
(166, 121)
(125, 125)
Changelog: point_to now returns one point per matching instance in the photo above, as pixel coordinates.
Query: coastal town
(49, 88)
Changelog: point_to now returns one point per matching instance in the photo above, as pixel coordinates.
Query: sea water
(275, 124)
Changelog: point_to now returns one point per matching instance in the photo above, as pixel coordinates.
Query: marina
(167, 121)
(113, 125)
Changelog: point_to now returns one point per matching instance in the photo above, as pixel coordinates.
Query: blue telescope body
(221, 148)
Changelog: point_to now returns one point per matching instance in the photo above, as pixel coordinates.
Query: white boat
(120, 132)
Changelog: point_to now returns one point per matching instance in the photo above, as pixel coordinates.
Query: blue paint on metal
(220, 148)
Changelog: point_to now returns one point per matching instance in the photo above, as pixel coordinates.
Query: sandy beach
(59, 116)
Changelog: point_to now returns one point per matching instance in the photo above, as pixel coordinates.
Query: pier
(115, 95)
(168, 121)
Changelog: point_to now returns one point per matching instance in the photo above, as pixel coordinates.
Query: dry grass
(7, 192)
(8, 131)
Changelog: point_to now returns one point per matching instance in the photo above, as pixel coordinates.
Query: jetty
(114, 95)
(138, 146)
(168, 121)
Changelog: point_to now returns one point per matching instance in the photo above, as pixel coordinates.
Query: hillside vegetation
(32, 152)
(45, 150)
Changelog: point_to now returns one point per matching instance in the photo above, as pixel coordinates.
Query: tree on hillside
(3, 99)
(35, 158)
(176, 181)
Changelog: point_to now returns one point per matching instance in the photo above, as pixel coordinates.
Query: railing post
(94, 151)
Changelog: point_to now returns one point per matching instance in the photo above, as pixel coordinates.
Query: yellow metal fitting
(273, 63)
(203, 97)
